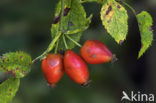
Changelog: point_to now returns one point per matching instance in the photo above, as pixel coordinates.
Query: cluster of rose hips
(93, 52)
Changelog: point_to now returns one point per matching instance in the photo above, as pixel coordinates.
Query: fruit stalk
(73, 40)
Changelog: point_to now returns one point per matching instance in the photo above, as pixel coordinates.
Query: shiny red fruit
(76, 68)
(52, 68)
(95, 52)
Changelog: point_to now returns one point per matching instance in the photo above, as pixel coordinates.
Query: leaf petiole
(134, 12)
(56, 47)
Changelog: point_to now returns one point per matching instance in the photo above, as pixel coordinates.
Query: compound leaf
(115, 19)
(145, 26)
(8, 89)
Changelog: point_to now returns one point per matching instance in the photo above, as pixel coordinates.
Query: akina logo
(137, 97)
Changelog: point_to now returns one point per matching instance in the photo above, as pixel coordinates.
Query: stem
(65, 43)
(62, 14)
(50, 47)
(134, 12)
(52, 44)
(73, 41)
(56, 47)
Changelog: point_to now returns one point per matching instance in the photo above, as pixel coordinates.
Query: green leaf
(16, 63)
(8, 90)
(75, 22)
(115, 19)
(80, 29)
(145, 26)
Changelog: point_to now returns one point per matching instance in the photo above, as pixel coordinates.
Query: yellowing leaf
(145, 25)
(115, 19)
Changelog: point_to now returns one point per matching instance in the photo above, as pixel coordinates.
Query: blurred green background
(25, 25)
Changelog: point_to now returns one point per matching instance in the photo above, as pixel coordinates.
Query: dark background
(25, 25)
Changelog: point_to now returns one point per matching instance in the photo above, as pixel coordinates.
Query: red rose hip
(76, 68)
(52, 68)
(95, 52)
